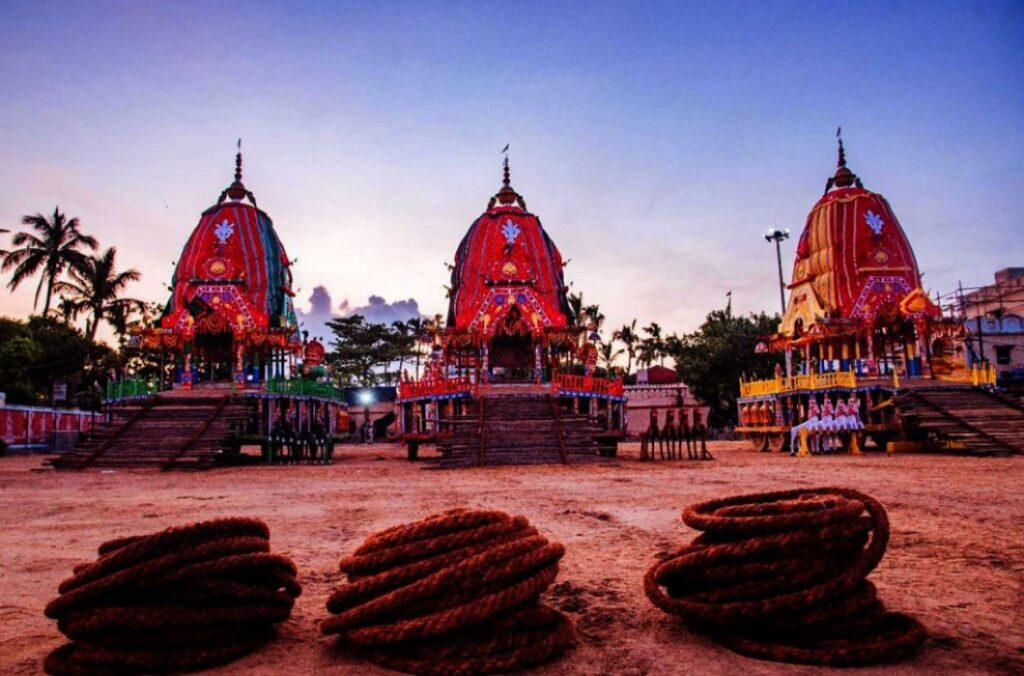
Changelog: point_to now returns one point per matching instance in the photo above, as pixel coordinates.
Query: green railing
(304, 388)
(132, 388)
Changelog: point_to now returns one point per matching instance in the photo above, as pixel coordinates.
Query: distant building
(659, 389)
(994, 320)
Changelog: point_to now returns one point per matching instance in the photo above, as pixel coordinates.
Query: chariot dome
(508, 293)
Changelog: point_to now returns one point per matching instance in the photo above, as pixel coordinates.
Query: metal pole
(776, 235)
(782, 285)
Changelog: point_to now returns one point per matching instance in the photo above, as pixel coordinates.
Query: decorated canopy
(854, 264)
(233, 277)
(508, 275)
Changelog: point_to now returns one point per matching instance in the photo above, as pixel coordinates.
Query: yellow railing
(811, 381)
(977, 376)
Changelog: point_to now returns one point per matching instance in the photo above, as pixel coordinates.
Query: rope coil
(782, 576)
(183, 599)
(455, 593)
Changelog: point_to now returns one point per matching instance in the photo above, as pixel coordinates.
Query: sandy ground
(956, 559)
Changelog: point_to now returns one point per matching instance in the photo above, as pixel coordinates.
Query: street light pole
(778, 236)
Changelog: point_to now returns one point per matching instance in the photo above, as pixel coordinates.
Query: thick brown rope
(455, 593)
(183, 599)
(782, 576)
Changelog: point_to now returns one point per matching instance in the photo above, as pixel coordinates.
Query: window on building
(1003, 354)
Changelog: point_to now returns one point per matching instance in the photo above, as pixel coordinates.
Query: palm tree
(608, 355)
(95, 288)
(417, 328)
(628, 337)
(55, 246)
(594, 316)
(576, 307)
(656, 346)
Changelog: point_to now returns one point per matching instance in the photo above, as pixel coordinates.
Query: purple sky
(655, 141)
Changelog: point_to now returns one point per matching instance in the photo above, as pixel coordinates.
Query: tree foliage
(365, 352)
(36, 354)
(95, 287)
(712, 359)
(48, 248)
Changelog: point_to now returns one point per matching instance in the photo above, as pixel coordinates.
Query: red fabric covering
(232, 276)
(506, 261)
(30, 425)
(853, 261)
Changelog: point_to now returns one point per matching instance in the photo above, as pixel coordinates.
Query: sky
(656, 141)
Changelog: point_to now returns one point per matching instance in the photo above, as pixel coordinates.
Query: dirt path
(956, 559)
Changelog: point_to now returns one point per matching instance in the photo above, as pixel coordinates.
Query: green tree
(608, 353)
(653, 346)
(95, 287)
(712, 359)
(576, 307)
(18, 354)
(359, 350)
(49, 248)
(417, 329)
(44, 350)
(404, 342)
(627, 336)
(594, 317)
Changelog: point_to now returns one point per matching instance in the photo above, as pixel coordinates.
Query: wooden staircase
(977, 422)
(166, 432)
(517, 429)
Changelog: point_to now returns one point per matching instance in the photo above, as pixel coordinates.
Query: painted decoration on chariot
(854, 262)
(508, 274)
(314, 353)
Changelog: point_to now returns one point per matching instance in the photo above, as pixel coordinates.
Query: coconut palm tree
(655, 345)
(53, 247)
(576, 307)
(417, 328)
(608, 354)
(594, 317)
(95, 288)
(627, 336)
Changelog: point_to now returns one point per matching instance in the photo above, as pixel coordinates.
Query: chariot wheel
(775, 443)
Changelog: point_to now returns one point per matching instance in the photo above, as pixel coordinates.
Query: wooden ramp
(975, 421)
(166, 432)
(518, 429)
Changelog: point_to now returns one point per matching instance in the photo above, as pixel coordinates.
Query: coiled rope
(455, 593)
(781, 576)
(183, 599)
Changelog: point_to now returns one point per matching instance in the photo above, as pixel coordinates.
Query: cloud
(377, 310)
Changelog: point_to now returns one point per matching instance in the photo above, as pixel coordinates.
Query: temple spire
(507, 181)
(843, 178)
(507, 195)
(237, 190)
(842, 151)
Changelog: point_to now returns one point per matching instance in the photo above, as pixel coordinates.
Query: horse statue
(813, 426)
(648, 436)
(667, 436)
(828, 427)
(700, 433)
(685, 434)
(853, 412)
